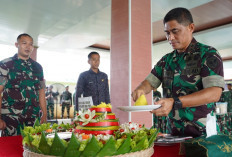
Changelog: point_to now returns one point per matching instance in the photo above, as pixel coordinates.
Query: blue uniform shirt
(95, 85)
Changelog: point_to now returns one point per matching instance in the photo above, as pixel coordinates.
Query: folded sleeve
(212, 70)
(155, 77)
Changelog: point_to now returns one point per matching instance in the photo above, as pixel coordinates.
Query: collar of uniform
(91, 71)
(189, 49)
(15, 57)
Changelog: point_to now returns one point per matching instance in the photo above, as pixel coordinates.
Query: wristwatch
(177, 103)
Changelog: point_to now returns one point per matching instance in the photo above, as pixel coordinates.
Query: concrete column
(34, 53)
(131, 44)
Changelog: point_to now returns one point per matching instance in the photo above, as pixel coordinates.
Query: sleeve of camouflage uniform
(42, 100)
(155, 77)
(3, 81)
(212, 69)
(79, 88)
(3, 74)
(41, 79)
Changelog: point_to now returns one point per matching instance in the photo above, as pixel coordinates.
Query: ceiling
(68, 25)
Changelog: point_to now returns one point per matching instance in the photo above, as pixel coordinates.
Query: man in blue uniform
(93, 82)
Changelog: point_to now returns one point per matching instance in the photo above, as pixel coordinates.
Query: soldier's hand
(166, 107)
(60, 104)
(137, 93)
(43, 118)
(2, 124)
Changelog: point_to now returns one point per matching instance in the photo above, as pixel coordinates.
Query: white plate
(138, 108)
(62, 135)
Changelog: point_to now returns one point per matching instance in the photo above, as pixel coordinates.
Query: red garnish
(102, 141)
(86, 116)
(140, 125)
(129, 122)
(121, 130)
(132, 128)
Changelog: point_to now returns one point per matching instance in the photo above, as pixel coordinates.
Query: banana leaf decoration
(37, 123)
(58, 147)
(32, 147)
(125, 147)
(91, 149)
(43, 145)
(142, 144)
(73, 147)
(153, 137)
(109, 148)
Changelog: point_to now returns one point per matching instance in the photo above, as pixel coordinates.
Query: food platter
(138, 108)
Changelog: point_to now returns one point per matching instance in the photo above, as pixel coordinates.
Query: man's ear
(192, 27)
(16, 45)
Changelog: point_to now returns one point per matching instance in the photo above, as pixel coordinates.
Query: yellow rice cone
(141, 101)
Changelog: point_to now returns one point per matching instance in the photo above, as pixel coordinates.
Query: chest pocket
(102, 82)
(193, 66)
(90, 84)
(15, 79)
(167, 78)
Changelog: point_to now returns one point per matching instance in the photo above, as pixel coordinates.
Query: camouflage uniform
(225, 123)
(50, 104)
(66, 101)
(22, 80)
(199, 67)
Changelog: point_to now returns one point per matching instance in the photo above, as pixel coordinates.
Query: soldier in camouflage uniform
(191, 77)
(21, 88)
(227, 97)
(225, 120)
(66, 101)
(50, 97)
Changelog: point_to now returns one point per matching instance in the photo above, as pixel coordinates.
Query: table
(12, 147)
(168, 151)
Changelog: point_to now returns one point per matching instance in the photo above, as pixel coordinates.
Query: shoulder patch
(212, 62)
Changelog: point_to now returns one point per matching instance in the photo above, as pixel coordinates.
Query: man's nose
(171, 37)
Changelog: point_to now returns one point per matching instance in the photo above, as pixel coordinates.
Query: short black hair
(229, 84)
(181, 15)
(23, 35)
(92, 53)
